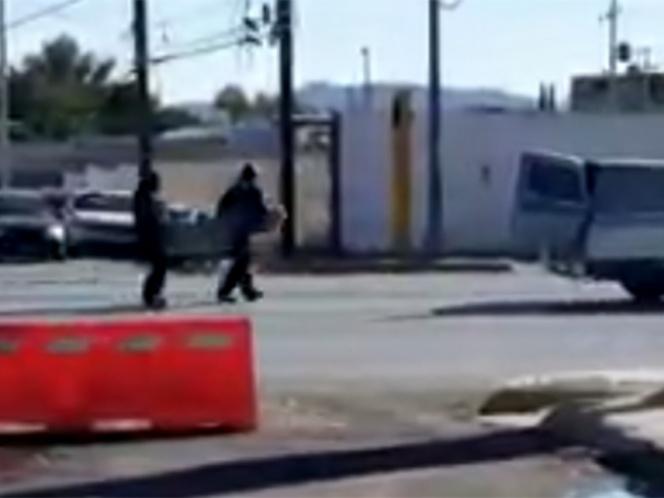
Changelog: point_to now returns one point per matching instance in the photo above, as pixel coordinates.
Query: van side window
(555, 182)
(625, 191)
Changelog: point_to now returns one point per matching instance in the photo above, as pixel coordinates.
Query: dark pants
(156, 279)
(239, 274)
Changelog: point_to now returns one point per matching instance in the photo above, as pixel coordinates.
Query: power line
(187, 54)
(41, 13)
(210, 38)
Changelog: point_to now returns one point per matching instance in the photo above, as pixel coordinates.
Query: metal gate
(318, 167)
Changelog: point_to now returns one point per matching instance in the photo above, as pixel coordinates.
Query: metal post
(435, 208)
(366, 70)
(336, 205)
(288, 176)
(144, 121)
(5, 125)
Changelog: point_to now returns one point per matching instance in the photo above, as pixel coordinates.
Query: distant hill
(329, 96)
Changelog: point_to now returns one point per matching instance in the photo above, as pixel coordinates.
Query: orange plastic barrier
(162, 374)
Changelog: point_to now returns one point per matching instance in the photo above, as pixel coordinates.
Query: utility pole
(5, 125)
(287, 132)
(435, 218)
(435, 207)
(142, 62)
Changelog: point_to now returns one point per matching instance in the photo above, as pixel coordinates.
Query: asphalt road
(394, 364)
(419, 330)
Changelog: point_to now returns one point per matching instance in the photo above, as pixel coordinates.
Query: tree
(265, 105)
(59, 91)
(234, 101)
(63, 91)
(116, 114)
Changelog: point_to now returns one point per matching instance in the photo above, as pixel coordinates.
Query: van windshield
(630, 190)
(556, 182)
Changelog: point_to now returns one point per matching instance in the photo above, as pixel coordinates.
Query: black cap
(249, 173)
(151, 182)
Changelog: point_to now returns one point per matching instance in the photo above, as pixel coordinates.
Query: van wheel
(643, 291)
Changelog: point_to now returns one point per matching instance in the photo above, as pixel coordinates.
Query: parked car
(101, 224)
(602, 220)
(29, 227)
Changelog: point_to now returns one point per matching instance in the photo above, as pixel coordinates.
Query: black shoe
(226, 299)
(253, 295)
(156, 304)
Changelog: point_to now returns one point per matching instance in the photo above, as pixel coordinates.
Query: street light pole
(613, 18)
(5, 140)
(435, 215)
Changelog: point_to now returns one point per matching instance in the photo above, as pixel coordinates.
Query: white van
(597, 219)
(551, 207)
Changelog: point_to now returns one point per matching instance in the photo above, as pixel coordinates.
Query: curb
(340, 266)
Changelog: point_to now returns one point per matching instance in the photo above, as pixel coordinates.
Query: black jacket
(149, 221)
(243, 206)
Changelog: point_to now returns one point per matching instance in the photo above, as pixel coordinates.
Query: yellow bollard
(401, 212)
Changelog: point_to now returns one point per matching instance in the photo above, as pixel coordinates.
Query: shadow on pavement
(293, 470)
(106, 310)
(644, 472)
(45, 440)
(539, 308)
(122, 309)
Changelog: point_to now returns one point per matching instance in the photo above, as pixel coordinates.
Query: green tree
(265, 106)
(234, 101)
(59, 91)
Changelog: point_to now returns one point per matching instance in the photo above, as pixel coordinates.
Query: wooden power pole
(288, 179)
(142, 68)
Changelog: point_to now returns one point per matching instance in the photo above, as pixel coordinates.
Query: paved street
(420, 330)
(350, 364)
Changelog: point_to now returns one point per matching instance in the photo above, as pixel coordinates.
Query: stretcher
(212, 238)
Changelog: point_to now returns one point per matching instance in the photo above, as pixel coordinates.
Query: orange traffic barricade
(159, 374)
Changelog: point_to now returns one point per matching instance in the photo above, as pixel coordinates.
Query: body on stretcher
(212, 239)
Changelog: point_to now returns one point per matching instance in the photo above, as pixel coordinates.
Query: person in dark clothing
(243, 208)
(149, 218)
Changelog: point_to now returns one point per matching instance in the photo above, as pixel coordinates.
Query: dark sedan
(29, 227)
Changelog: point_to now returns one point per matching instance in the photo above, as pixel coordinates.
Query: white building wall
(481, 154)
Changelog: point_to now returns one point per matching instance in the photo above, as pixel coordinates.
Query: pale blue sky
(509, 44)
